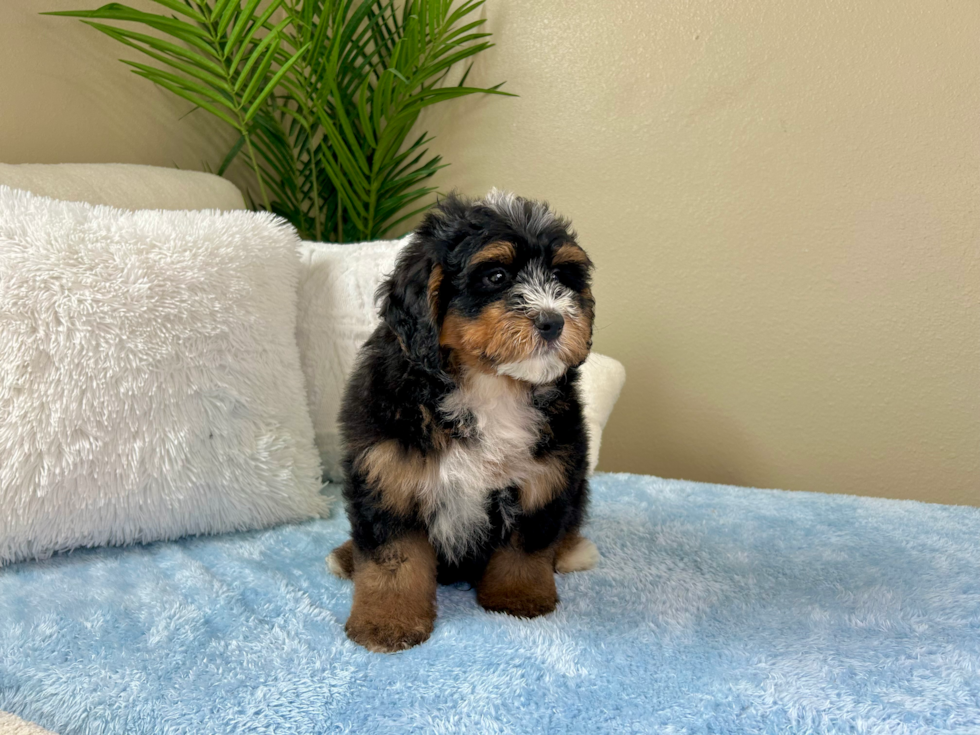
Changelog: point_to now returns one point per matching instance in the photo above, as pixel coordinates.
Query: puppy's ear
(410, 298)
(410, 304)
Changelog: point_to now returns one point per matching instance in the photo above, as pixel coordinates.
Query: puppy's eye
(495, 278)
(571, 276)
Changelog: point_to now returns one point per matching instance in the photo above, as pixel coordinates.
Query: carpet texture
(713, 610)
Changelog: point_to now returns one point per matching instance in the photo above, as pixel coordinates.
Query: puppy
(465, 450)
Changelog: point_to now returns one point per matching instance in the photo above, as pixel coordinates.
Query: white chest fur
(505, 428)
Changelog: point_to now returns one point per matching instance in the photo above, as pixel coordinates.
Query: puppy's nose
(549, 325)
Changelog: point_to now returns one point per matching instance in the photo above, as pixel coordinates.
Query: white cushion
(150, 384)
(601, 380)
(124, 185)
(337, 313)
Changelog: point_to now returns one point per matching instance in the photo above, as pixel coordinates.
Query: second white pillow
(337, 313)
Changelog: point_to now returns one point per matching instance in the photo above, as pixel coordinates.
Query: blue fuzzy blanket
(714, 610)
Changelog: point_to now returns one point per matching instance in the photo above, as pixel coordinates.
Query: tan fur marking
(397, 474)
(451, 336)
(435, 280)
(518, 583)
(576, 339)
(440, 439)
(394, 595)
(570, 253)
(341, 560)
(501, 252)
(496, 335)
(548, 479)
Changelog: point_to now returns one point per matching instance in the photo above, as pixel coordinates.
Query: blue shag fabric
(714, 610)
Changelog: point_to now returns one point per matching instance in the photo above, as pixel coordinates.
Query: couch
(714, 609)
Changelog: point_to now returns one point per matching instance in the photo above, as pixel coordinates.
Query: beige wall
(782, 198)
(65, 98)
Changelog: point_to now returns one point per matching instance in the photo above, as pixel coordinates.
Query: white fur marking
(580, 558)
(539, 369)
(335, 567)
(513, 207)
(497, 455)
(538, 292)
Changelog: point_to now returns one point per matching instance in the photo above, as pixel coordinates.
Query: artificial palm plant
(323, 94)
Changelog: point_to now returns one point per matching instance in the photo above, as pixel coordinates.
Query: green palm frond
(323, 94)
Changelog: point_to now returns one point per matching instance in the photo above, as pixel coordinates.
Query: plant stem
(340, 220)
(316, 191)
(255, 168)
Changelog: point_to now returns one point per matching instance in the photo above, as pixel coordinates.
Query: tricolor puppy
(465, 446)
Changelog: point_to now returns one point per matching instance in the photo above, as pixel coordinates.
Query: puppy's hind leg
(575, 553)
(340, 562)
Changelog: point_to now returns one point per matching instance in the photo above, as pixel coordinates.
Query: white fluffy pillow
(150, 384)
(337, 312)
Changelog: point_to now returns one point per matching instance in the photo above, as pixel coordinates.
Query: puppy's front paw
(521, 602)
(518, 583)
(394, 595)
(388, 635)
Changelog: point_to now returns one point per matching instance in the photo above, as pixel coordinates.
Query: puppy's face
(512, 296)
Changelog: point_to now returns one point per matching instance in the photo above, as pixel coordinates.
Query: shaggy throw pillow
(337, 313)
(150, 384)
